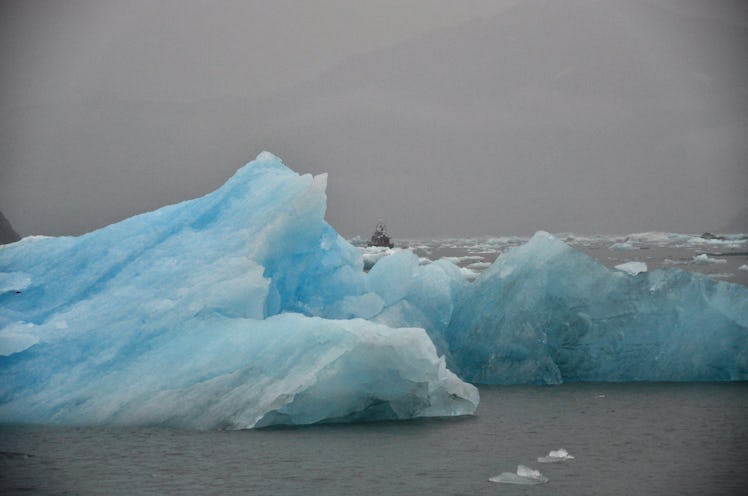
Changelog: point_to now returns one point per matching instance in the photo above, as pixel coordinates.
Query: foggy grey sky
(443, 118)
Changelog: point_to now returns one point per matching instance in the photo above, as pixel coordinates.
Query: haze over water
(483, 118)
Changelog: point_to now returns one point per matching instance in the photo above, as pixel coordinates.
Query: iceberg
(556, 456)
(210, 314)
(524, 476)
(544, 313)
(244, 308)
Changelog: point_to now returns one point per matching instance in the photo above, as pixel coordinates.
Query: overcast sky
(442, 117)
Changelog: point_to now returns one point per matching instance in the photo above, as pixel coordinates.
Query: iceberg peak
(266, 156)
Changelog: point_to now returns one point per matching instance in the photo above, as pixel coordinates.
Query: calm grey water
(643, 439)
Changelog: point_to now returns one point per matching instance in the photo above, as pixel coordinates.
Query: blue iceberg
(207, 314)
(544, 313)
(244, 308)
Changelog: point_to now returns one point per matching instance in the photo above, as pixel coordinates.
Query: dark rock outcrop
(7, 233)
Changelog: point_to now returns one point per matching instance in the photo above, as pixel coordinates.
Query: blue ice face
(181, 317)
(552, 314)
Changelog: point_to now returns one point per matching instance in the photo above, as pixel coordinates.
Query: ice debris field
(244, 308)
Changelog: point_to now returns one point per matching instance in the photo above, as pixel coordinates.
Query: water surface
(634, 438)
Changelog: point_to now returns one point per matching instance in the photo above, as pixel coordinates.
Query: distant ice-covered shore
(723, 256)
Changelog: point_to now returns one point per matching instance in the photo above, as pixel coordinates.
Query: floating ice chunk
(524, 476)
(632, 268)
(622, 246)
(555, 456)
(705, 259)
(479, 265)
(668, 261)
(463, 259)
(743, 267)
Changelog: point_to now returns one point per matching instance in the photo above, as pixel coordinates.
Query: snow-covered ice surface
(524, 476)
(244, 308)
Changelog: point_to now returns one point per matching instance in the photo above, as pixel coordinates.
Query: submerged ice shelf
(244, 308)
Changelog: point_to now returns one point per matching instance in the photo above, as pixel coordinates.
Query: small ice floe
(525, 476)
(555, 456)
(632, 268)
(705, 259)
(743, 267)
(668, 261)
(622, 246)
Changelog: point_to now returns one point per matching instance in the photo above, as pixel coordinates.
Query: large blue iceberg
(544, 313)
(244, 308)
(202, 314)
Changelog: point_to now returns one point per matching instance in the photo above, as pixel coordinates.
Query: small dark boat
(380, 237)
